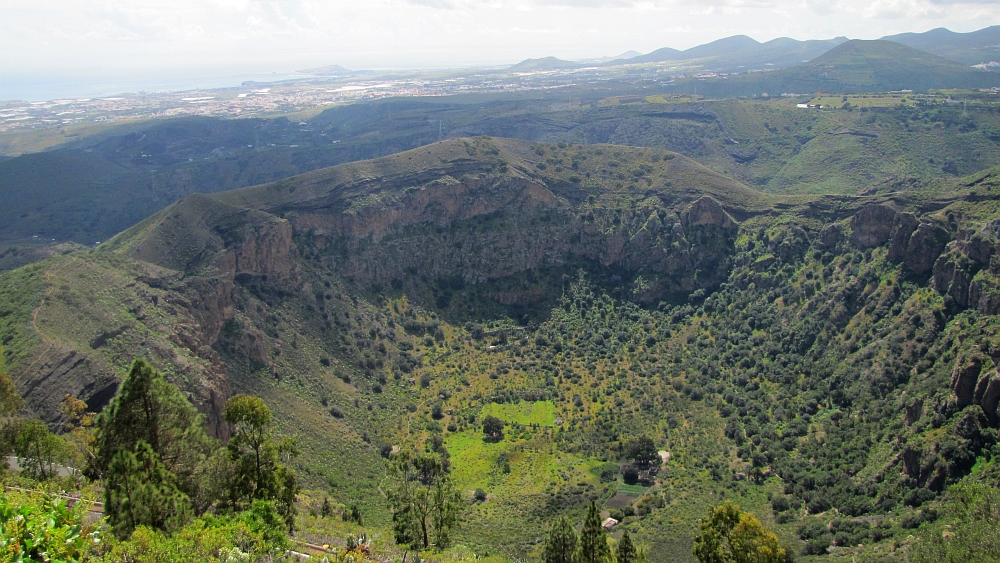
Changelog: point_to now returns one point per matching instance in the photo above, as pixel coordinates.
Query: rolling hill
(739, 53)
(545, 63)
(853, 66)
(971, 48)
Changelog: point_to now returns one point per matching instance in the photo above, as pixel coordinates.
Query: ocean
(37, 88)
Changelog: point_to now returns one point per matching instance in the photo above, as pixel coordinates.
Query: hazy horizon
(85, 48)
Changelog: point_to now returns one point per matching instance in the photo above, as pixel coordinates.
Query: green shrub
(38, 527)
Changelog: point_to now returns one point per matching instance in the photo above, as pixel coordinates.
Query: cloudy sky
(60, 37)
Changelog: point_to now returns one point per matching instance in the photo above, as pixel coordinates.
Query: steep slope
(830, 352)
(879, 65)
(975, 47)
(97, 186)
(248, 291)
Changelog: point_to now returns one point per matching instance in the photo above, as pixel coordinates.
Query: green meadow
(538, 413)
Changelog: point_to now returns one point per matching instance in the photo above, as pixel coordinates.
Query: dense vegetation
(489, 348)
(130, 172)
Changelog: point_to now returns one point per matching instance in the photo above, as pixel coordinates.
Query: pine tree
(593, 541)
(151, 450)
(560, 546)
(140, 491)
(626, 552)
(149, 409)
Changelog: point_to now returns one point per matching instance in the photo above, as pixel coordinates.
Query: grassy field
(538, 413)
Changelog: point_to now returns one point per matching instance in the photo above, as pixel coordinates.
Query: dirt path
(35, 311)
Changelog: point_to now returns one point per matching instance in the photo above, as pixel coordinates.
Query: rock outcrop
(973, 385)
(964, 378)
(830, 236)
(707, 211)
(987, 395)
(916, 243)
(872, 225)
(968, 272)
(924, 246)
(899, 238)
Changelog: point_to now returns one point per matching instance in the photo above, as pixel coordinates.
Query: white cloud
(902, 9)
(242, 36)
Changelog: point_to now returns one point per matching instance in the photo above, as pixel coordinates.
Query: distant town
(256, 99)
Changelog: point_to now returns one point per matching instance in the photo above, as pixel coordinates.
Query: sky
(63, 40)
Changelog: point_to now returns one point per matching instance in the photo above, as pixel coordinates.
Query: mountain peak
(544, 63)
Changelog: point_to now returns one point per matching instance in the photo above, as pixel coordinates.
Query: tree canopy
(149, 409)
(257, 471)
(626, 551)
(492, 429)
(643, 451)
(729, 535)
(593, 540)
(974, 509)
(561, 543)
(425, 505)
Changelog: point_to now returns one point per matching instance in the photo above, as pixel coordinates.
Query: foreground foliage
(254, 535)
(39, 527)
(729, 535)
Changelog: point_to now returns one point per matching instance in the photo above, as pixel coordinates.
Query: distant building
(609, 523)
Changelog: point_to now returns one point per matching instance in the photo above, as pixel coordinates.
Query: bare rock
(872, 225)
(831, 236)
(58, 372)
(987, 395)
(707, 211)
(984, 295)
(924, 247)
(980, 247)
(964, 379)
(899, 238)
(951, 277)
(911, 462)
(913, 411)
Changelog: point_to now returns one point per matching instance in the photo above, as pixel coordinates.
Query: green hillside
(739, 53)
(815, 358)
(96, 186)
(852, 67)
(975, 47)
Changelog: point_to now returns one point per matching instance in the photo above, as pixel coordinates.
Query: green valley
(821, 360)
(670, 308)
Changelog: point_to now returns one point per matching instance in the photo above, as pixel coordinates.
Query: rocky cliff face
(217, 271)
(168, 303)
(476, 212)
(963, 266)
(484, 231)
(967, 272)
(916, 243)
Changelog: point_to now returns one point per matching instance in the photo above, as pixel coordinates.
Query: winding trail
(35, 311)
